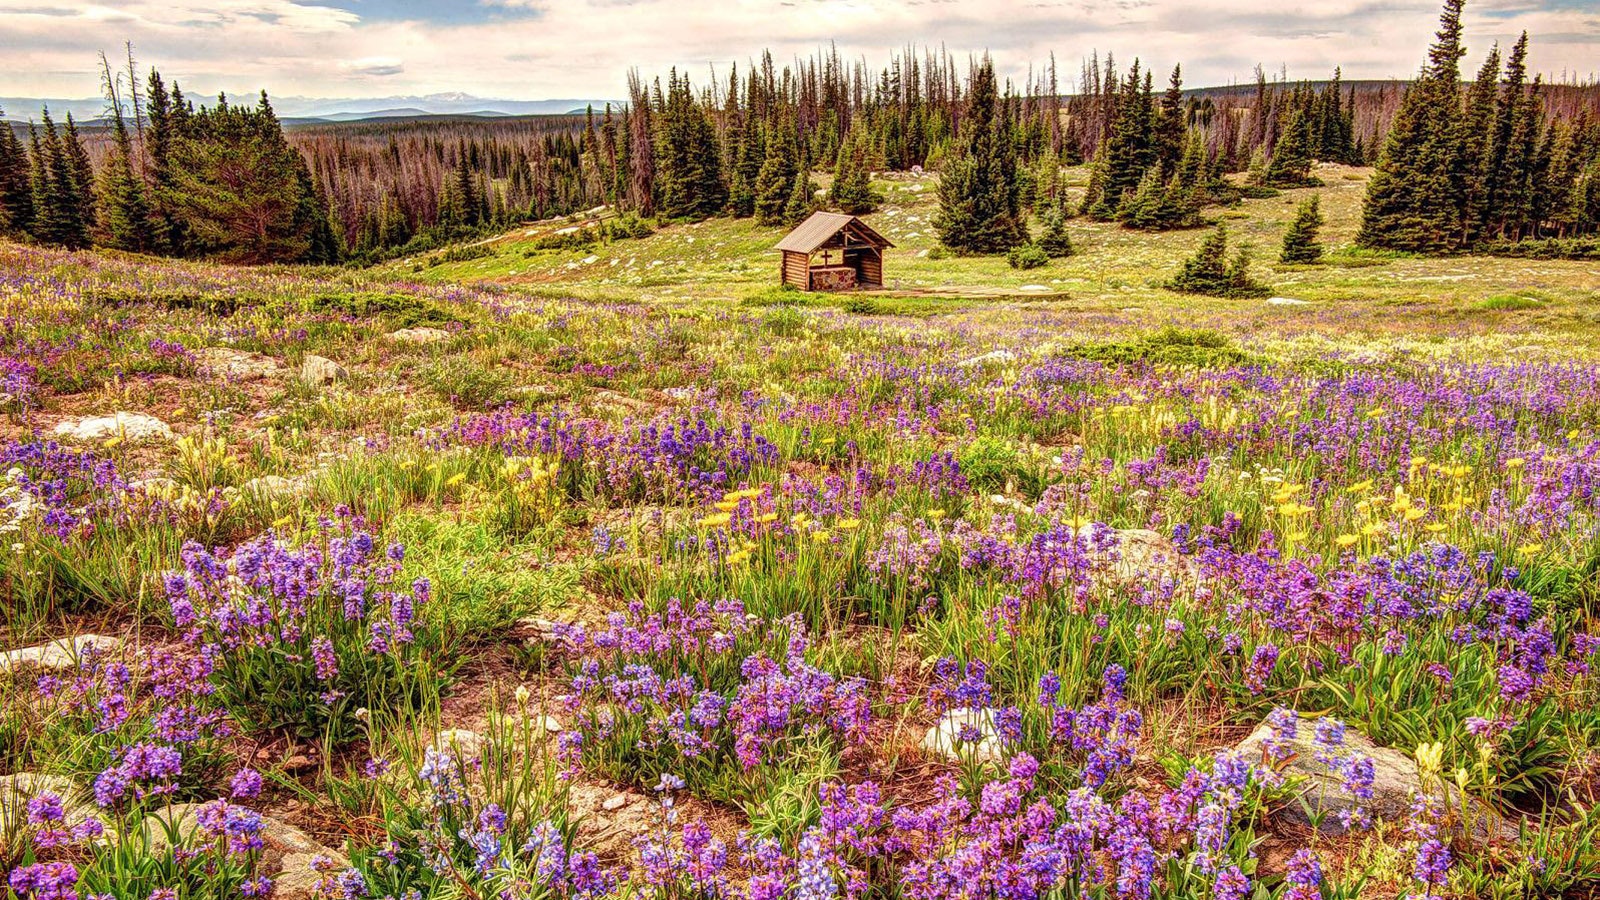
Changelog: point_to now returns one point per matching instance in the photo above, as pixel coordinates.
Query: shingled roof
(816, 230)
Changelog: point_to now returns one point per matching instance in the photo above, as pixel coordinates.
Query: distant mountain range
(309, 109)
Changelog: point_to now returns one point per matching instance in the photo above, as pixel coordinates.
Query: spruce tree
(57, 199)
(801, 199)
(1409, 199)
(1209, 272)
(1170, 126)
(775, 182)
(82, 173)
(124, 208)
(1291, 157)
(1131, 148)
(1055, 240)
(1300, 244)
(852, 189)
(979, 210)
(689, 157)
(16, 195)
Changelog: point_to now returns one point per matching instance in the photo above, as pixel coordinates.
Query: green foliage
(802, 199)
(688, 157)
(1027, 256)
(852, 188)
(1209, 272)
(240, 192)
(1055, 241)
(775, 183)
(978, 201)
(1173, 346)
(1300, 244)
(1510, 303)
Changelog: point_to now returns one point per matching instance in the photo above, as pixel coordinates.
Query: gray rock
(133, 427)
(287, 858)
(16, 790)
(419, 335)
(1287, 301)
(1139, 553)
(237, 365)
(944, 738)
(58, 654)
(461, 743)
(984, 359)
(320, 371)
(1321, 797)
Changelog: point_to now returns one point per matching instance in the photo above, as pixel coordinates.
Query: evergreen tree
(1409, 204)
(82, 173)
(775, 182)
(1291, 157)
(1471, 170)
(57, 200)
(1300, 244)
(16, 194)
(852, 189)
(1170, 126)
(241, 192)
(124, 209)
(1130, 150)
(1209, 271)
(801, 199)
(978, 203)
(688, 156)
(1055, 240)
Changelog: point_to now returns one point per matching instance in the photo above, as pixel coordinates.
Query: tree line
(228, 181)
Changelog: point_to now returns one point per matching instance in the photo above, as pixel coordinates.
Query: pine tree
(16, 195)
(1131, 148)
(1291, 157)
(1409, 204)
(1300, 244)
(1170, 126)
(82, 174)
(1209, 271)
(978, 203)
(852, 189)
(688, 155)
(57, 199)
(1055, 240)
(776, 179)
(124, 209)
(801, 199)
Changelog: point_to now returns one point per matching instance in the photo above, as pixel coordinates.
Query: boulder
(1321, 798)
(419, 335)
(134, 427)
(1287, 301)
(1136, 553)
(16, 790)
(320, 370)
(56, 655)
(287, 858)
(984, 359)
(945, 738)
(237, 365)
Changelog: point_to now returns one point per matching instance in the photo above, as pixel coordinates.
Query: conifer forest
(815, 476)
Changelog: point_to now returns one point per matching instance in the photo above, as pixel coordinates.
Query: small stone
(16, 790)
(984, 359)
(1286, 301)
(944, 739)
(132, 427)
(419, 335)
(320, 370)
(462, 743)
(548, 724)
(612, 804)
(237, 365)
(57, 655)
(286, 859)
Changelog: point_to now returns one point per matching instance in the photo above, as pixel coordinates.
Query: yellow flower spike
(1516, 462)
(1297, 536)
(1461, 779)
(1529, 549)
(728, 505)
(1436, 527)
(1346, 540)
(455, 479)
(820, 537)
(112, 442)
(936, 514)
(716, 520)
(179, 413)
(767, 518)
(1413, 514)
(1361, 487)
(848, 524)
(1430, 758)
(282, 522)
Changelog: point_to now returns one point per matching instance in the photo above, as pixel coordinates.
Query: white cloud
(583, 48)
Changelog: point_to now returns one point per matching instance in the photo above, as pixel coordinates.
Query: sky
(542, 49)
